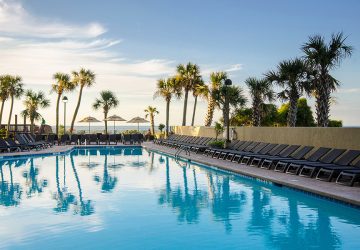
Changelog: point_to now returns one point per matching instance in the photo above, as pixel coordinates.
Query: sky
(131, 44)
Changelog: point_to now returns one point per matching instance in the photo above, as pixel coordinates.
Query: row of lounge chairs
(22, 142)
(326, 164)
(100, 139)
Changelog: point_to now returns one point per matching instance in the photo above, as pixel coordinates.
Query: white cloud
(235, 67)
(15, 20)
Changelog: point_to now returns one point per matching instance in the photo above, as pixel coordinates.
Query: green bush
(335, 123)
(216, 144)
(130, 131)
(3, 133)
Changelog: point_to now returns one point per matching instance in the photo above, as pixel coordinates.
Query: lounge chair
(118, 138)
(300, 154)
(13, 143)
(326, 172)
(250, 149)
(74, 139)
(268, 161)
(256, 159)
(30, 139)
(309, 169)
(51, 138)
(5, 147)
(126, 138)
(222, 152)
(225, 152)
(93, 139)
(112, 139)
(245, 157)
(135, 138)
(349, 176)
(23, 141)
(64, 139)
(294, 166)
(103, 139)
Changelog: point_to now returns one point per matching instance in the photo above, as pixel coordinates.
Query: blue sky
(130, 44)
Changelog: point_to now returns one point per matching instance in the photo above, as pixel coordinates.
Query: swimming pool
(130, 198)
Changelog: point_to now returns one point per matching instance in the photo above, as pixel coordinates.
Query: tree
(15, 89)
(161, 127)
(292, 76)
(216, 79)
(107, 101)
(304, 114)
(33, 102)
(235, 95)
(201, 90)
(167, 89)
(219, 128)
(4, 92)
(323, 58)
(260, 91)
(241, 117)
(150, 112)
(63, 84)
(83, 78)
(189, 76)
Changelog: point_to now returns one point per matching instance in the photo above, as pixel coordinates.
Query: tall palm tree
(260, 91)
(323, 58)
(150, 112)
(189, 76)
(63, 84)
(16, 90)
(216, 79)
(201, 90)
(107, 101)
(292, 76)
(33, 102)
(235, 95)
(4, 92)
(167, 89)
(83, 78)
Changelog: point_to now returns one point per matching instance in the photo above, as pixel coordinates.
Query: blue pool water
(130, 198)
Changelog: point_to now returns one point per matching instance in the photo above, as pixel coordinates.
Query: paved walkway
(328, 189)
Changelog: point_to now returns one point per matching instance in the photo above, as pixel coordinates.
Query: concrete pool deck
(350, 195)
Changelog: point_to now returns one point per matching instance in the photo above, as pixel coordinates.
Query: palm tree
(4, 92)
(189, 76)
(292, 76)
(260, 91)
(235, 96)
(216, 79)
(151, 111)
(83, 78)
(33, 102)
(201, 90)
(167, 88)
(107, 101)
(62, 85)
(16, 90)
(322, 58)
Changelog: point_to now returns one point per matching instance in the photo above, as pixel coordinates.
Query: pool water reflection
(131, 198)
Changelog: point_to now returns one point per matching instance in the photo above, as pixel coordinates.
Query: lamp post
(228, 83)
(65, 100)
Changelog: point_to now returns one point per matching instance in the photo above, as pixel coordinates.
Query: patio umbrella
(137, 120)
(115, 118)
(89, 119)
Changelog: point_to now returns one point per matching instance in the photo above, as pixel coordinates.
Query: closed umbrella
(89, 120)
(115, 118)
(137, 120)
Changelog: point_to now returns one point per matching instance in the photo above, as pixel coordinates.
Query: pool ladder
(178, 152)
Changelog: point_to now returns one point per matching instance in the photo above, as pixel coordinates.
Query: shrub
(335, 123)
(216, 144)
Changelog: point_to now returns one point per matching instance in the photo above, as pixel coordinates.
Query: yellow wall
(347, 138)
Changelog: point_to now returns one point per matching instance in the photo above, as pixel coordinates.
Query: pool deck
(350, 195)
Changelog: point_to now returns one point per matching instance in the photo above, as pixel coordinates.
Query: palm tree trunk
(323, 104)
(2, 110)
(57, 114)
(210, 112)
(152, 124)
(76, 109)
(256, 114)
(185, 107)
(32, 125)
(10, 114)
(291, 117)
(105, 117)
(193, 116)
(167, 118)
